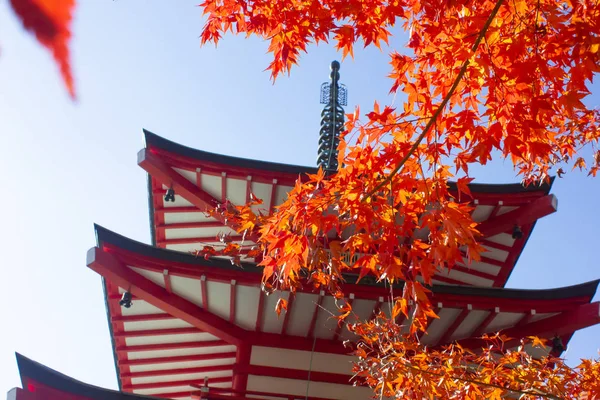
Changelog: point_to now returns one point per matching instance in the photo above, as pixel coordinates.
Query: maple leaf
(537, 342)
(345, 310)
(401, 306)
(478, 78)
(462, 186)
(345, 40)
(282, 304)
(579, 163)
(49, 21)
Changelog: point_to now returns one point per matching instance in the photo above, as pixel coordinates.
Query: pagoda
(186, 327)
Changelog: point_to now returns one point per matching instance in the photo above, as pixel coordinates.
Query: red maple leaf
(49, 21)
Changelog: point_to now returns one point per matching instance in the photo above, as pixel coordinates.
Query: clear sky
(139, 65)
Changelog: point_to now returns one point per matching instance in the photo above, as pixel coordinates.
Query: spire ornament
(334, 95)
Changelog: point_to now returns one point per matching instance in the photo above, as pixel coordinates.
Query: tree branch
(445, 101)
(532, 391)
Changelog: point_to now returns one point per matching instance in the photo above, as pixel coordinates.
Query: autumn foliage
(483, 79)
(49, 21)
(407, 369)
(478, 79)
(504, 78)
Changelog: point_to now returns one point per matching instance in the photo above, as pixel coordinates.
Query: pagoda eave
(193, 318)
(201, 181)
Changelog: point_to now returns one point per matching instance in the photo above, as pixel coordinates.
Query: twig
(445, 101)
(532, 391)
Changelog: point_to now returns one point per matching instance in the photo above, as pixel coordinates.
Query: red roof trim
(188, 265)
(565, 323)
(178, 359)
(49, 384)
(193, 158)
(116, 272)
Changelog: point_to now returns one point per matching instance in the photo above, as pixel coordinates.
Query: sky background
(137, 65)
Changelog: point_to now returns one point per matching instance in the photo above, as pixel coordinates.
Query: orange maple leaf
(281, 304)
(49, 21)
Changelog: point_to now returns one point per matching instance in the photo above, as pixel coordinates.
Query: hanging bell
(557, 345)
(125, 300)
(517, 233)
(170, 196)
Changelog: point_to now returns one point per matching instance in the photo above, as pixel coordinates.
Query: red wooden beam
(213, 240)
(248, 188)
(216, 168)
(482, 327)
(447, 280)
(223, 187)
(217, 396)
(260, 312)
(115, 312)
(240, 379)
(172, 346)
(119, 296)
(296, 343)
(180, 209)
(167, 279)
(192, 225)
(179, 395)
(204, 292)
(564, 323)
(445, 338)
(474, 272)
(525, 319)
(167, 176)
(496, 210)
(273, 196)
(227, 392)
(157, 332)
(142, 317)
(503, 199)
(178, 359)
(109, 267)
(494, 245)
(518, 246)
(199, 178)
(160, 385)
(367, 292)
(488, 260)
(232, 296)
(288, 312)
(297, 374)
(178, 371)
(313, 321)
(523, 215)
(516, 305)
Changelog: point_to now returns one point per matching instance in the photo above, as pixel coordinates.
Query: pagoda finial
(334, 95)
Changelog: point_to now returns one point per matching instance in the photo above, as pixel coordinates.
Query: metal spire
(334, 95)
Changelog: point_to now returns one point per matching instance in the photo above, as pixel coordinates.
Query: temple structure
(186, 327)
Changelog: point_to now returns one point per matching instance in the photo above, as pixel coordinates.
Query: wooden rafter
(113, 270)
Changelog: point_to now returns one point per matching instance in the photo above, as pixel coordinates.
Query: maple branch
(445, 101)
(533, 391)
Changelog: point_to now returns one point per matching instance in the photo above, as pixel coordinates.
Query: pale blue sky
(139, 65)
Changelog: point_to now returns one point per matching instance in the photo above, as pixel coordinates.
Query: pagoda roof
(202, 180)
(193, 318)
(41, 382)
(196, 157)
